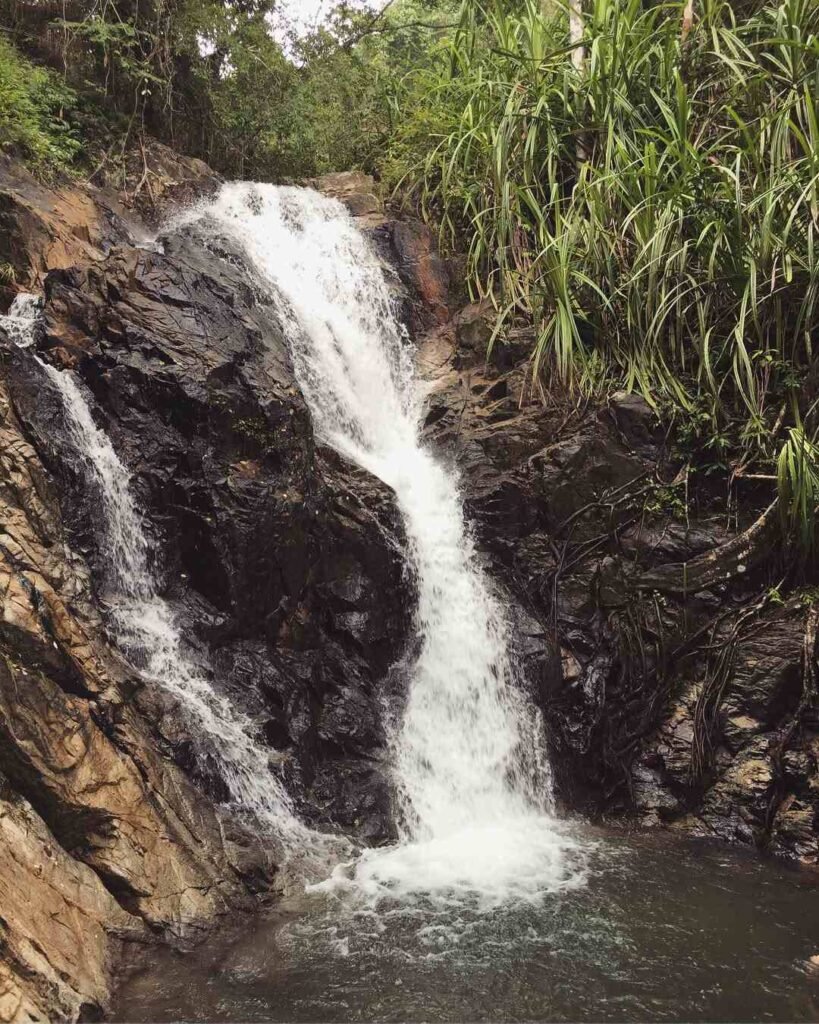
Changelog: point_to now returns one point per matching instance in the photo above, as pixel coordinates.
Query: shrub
(651, 209)
(33, 106)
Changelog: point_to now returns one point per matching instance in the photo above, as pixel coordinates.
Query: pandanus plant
(639, 181)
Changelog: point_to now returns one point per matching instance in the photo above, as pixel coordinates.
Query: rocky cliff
(676, 672)
(282, 564)
(678, 685)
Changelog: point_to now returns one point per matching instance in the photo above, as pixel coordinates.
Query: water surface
(662, 929)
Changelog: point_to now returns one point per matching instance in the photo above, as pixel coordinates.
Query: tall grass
(653, 214)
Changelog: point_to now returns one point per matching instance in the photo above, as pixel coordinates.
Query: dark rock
(268, 546)
(635, 592)
(636, 420)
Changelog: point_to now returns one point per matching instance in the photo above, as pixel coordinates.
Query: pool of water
(656, 929)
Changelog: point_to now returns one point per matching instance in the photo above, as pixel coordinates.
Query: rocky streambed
(677, 680)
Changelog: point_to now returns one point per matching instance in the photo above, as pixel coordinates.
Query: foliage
(33, 105)
(798, 486)
(653, 212)
(212, 78)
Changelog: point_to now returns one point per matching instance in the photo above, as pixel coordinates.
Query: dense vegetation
(636, 184)
(648, 200)
(218, 80)
(33, 102)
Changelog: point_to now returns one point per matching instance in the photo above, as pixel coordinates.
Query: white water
(143, 624)
(21, 317)
(472, 779)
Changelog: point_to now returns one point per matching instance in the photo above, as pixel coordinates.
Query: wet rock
(103, 835)
(671, 690)
(473, 332)
(588, 527)
(267, 542)
(667, 540)
(421, 266)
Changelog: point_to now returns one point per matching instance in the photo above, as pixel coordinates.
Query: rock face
(102, 838)
(678, 687)
(283, 562)
(283, 566)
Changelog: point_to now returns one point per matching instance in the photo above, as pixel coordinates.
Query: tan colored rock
(17, 1005)
(356, 190)
(44, 229)
(58, 921)
(38, 572)
(99, 834)
(100, 806)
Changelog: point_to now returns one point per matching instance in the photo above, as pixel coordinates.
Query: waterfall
(143, 624)
(473, 787)
(21, 318)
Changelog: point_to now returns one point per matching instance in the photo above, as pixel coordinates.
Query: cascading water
(19, 322)
(143, 624)
(473, 783)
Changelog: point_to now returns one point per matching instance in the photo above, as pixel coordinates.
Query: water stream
(472, 781)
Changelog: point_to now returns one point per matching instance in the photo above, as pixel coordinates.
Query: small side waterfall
(143, 624)
(144, 628)
(21, 318)
(472, 779)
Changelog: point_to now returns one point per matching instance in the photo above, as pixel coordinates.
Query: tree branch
(373, 28)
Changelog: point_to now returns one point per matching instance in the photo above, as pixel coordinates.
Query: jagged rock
(473, 333)
(155, 179)
(105, 834)
(577, 509)
(42, 229)
(421, 267)
(59, 924)
(270, 547)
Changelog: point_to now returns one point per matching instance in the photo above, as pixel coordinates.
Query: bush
(651, 209)
(33, 107)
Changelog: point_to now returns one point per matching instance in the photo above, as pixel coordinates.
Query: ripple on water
(660, 930)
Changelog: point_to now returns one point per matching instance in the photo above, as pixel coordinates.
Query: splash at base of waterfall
(473, 790)
(481, 866)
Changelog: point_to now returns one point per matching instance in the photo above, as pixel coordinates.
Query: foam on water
(473, 786)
